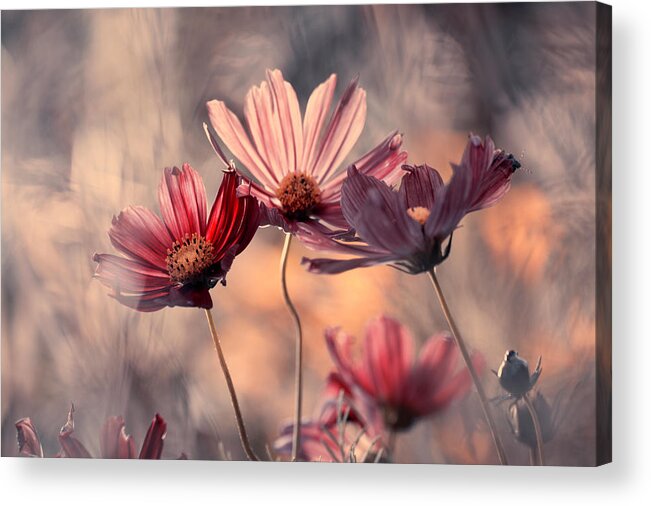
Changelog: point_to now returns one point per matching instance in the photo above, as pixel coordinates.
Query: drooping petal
(331, 266)
(140, 234)
(344, 129)
(231, 132)
(316, 113)
(114, 441)
(420, 186)
(182, 200)
(71, 447)
(124, 275)
(152, 447)
(29, 444)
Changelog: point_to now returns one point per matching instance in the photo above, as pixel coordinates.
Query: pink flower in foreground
(408, 228)
(386, 375)
(177, 260)
(115, 443)
(296, 161)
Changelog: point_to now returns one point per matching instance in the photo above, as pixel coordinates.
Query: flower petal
(344, 129)
(29, 444)
(152, 447)
(330, 266)
(287, 115)
(233, 220)
(382, 162)
(182, 200)
(379, 215)
(114, 441)
(316, 112)
(231, 132)
(71, 447)
(388, 357)
(140, 234)
(420, 186)
(124, 275)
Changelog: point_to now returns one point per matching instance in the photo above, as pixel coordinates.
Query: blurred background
(95, 103)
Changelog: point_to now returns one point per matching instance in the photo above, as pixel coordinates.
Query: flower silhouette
(177, 260)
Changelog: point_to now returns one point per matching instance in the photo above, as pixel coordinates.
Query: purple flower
(411, 228)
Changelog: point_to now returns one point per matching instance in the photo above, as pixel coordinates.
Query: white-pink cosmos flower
(294, 162)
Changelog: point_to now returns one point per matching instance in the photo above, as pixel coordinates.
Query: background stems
(231, 390)
(471, 368)
(298, 378)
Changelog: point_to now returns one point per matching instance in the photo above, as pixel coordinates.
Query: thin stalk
(231, 390)
(501, 454)
(536, 428)
(298, 366)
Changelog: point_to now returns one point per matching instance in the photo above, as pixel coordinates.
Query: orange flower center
(187, 259)
(420, 214)
(298, 194)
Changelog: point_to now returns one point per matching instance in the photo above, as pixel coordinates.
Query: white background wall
(627, 481)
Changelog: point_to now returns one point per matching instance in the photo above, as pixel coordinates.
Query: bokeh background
(95, 103)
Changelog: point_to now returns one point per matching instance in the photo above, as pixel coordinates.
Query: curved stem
(501, 454)
(231, 390)
(298, 367)
(536, 427)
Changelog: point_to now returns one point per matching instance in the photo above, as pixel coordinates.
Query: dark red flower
(386, 375)
(408, 228)
(177, 260)
(115, 443)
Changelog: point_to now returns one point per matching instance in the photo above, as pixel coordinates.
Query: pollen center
(420, 214)
(188, 258)
(298, 194)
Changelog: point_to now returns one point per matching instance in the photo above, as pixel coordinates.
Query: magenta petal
(124, 275)
(29, 444)
(182, 200)
(140, 234)
(152, 447)
(114, 441)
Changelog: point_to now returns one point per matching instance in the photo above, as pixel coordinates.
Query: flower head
(115, 443)
(408, 228)
(387, 377)
(293, 161)
(177, 260)
(514, 376)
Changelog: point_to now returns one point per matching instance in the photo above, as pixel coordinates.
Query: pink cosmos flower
(115, 443)
(177, 260)
(408, 228)
(295, 162)
(386, 375)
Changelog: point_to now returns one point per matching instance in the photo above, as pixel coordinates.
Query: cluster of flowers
(379, 210)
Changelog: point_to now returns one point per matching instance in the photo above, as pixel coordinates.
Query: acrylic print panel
(411, 205)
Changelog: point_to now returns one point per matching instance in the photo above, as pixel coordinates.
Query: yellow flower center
(420, 214)
(298, 194)
(187, 259)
